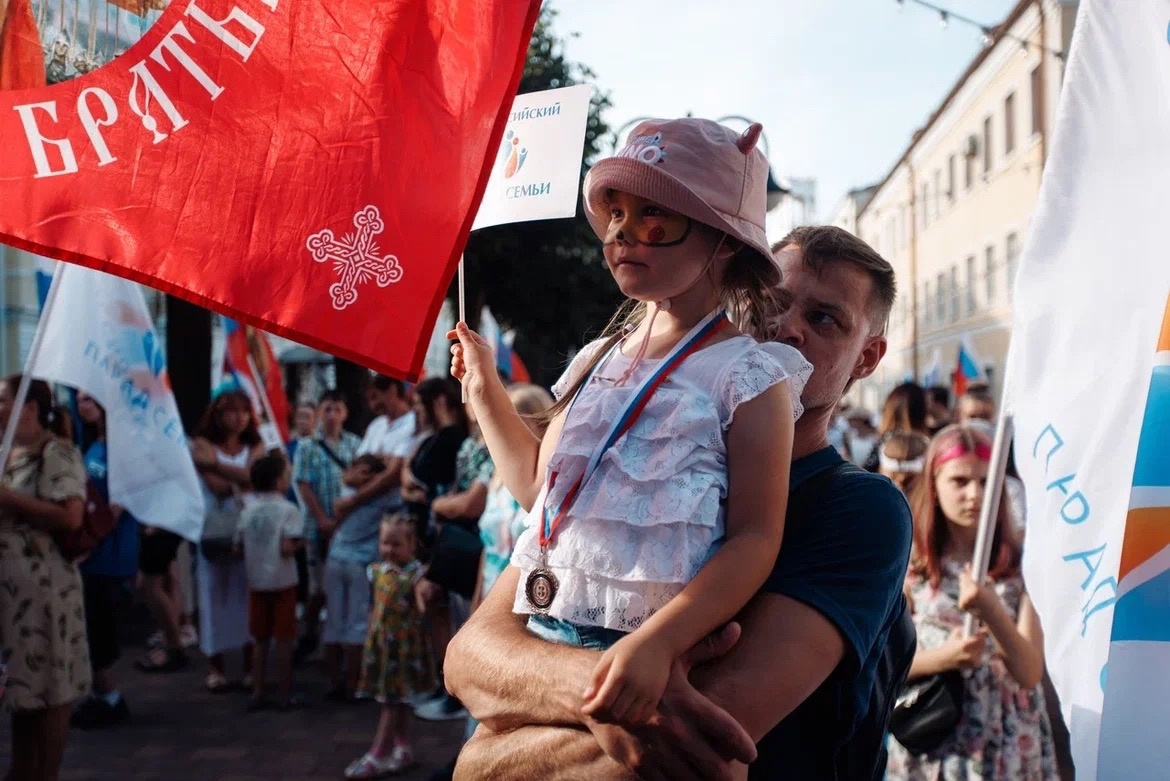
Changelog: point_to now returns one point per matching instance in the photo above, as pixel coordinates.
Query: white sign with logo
(537, 171)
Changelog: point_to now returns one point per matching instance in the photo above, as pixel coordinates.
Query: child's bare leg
(384, 735)
(401, 721)
(284, 672)
(259, 665)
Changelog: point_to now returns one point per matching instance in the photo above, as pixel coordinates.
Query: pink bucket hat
(697, 168)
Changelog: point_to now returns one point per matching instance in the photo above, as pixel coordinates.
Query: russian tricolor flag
(967, 367)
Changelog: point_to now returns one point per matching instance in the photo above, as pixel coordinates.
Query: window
(972, 301)
(989, 276)
(924, 221)
(968, 171)
(954, 313)
(1009, 123)
(937, 193)
(987, 145)
(941, 299)
(927, 304)
(1010, 257)
(951, 179)
(1037, 101)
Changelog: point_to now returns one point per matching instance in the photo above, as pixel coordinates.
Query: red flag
(310, 168)
(22, 64)
(244, 342)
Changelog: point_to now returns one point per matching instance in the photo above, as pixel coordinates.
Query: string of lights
(989, 32)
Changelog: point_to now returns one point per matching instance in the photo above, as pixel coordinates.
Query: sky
(839, 85)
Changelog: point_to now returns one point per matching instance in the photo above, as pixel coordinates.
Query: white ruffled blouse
(653, 512)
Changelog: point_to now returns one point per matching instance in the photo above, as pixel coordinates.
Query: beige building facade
(952, 214)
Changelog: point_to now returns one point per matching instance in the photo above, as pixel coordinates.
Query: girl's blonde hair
(751, 304)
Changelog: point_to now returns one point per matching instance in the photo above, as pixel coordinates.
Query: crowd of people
(691, 560)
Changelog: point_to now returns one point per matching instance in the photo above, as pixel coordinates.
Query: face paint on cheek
(651, 231)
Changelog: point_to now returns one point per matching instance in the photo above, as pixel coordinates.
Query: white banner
(99, 338)
(1089, 372)
(537, 174)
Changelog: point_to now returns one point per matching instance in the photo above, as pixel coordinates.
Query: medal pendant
(541, 588)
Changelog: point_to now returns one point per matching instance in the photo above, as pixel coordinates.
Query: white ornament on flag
(99, 338)
(356, 257)
(1090, 394)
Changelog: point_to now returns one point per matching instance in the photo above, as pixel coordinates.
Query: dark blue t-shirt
(847, 559)
(117, 555)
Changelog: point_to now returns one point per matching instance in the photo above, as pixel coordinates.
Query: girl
(224, 447)
(396, 662)
(665, 523)
(1004, 732)
(901, 458)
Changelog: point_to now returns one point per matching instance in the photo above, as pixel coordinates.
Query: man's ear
(871, 356)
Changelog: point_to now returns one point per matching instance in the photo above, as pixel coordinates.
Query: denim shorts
(557, 631)
(347, 594)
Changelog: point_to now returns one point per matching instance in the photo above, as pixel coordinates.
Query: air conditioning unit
(974, 143)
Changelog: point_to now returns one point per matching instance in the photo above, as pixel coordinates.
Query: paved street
(180, 732)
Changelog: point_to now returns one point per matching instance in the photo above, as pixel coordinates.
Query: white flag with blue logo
(1089, 374)
(99, 338)
(537, 173)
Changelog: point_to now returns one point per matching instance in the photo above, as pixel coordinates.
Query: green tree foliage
(546, 279)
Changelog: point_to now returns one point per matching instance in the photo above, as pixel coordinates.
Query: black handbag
(928, 711)
(455, 559)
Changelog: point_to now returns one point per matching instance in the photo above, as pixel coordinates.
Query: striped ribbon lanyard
(696, 338)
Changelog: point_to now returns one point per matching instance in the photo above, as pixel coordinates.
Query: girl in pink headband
(1003, 733)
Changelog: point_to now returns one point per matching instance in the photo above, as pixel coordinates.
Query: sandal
(216, 683)
(370, 766)
(162, 660)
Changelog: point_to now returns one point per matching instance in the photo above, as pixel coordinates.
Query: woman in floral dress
(42, 621)
(1004, 733)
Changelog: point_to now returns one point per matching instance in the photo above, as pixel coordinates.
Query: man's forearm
(506, 676)
(536, 754)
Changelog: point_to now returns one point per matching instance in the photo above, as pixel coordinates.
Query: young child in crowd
(902, 457)
(269, 532)
(396, 662)
(659, 488)
(354, 546)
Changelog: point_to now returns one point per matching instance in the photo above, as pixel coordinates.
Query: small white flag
(537, 173)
